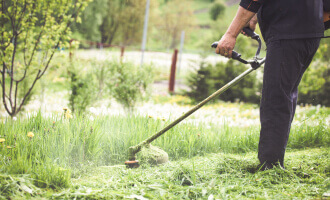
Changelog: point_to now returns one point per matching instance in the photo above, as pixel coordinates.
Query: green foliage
(210, 78)
(129, 83)
(199, 83)
(177, 16)
(92, 80)
(91, 20)
(83, 89)
(29, 27)
(123, 22)
(315, 84)
(217, 10)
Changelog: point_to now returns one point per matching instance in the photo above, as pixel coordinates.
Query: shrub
(93, 80)
(315, 84)
(210, 78)
(217, 10)
(128, 83)
(82, 89)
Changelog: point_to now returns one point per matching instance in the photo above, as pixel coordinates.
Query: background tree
(31, 33)
(91, 20)
(124, 21)
(176, 17)
(112, 21)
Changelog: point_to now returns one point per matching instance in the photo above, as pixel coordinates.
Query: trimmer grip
(234, 54)
(214, 45)
(250, 33)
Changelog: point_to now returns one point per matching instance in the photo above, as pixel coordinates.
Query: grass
(215, 176)
(222, 176)
(63, 150)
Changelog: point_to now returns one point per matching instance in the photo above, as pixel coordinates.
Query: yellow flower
(67, 113)
(30, 135)
(9, 147)
(2, 140)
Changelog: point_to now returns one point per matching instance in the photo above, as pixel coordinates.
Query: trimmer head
(132, 164)
(149, 154)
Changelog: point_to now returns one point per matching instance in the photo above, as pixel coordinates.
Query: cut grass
(215, 176)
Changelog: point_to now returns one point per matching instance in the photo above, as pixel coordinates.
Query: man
(292, 30)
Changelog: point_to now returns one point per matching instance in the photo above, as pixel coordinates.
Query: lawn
(83, 157)
(214, 176)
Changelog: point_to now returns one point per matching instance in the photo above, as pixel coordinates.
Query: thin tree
(31, 32)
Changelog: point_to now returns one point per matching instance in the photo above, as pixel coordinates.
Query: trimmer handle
(234, 55)
(250, 33)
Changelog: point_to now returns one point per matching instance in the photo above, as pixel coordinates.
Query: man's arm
(252, 24)
(245, 13)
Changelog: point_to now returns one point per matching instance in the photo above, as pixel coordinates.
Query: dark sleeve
(326, 5)
(253, 5)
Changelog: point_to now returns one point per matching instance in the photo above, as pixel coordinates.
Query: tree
(112, 21)
(31, 33)
(177, 16)
(124, 21)
(92, 19)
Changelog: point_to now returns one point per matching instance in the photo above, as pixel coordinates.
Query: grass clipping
(152, 155)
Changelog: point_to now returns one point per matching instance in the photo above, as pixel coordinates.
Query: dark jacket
(288, 19)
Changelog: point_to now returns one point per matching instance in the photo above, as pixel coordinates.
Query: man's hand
(226, 45)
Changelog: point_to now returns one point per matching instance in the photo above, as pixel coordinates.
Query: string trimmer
(155, 155)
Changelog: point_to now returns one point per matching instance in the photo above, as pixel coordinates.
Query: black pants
(286, 62)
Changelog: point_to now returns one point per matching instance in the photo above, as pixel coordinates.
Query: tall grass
(60, 146)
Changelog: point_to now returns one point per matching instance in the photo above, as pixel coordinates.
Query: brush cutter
(155, 155)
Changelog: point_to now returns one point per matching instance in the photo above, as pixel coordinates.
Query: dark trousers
(286, 62)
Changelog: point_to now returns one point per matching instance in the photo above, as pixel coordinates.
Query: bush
(210, 78)
(217, 10)
(83, 89)
(92, 80)
(315, 84)
(128, 83)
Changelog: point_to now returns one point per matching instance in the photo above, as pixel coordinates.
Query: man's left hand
(226, 45)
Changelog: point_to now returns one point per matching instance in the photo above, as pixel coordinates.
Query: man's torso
(291, 19)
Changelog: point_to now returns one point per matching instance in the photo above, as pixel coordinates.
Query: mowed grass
(62, 150)
(214, 176)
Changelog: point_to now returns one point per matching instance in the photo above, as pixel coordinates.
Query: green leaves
(31, 33)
